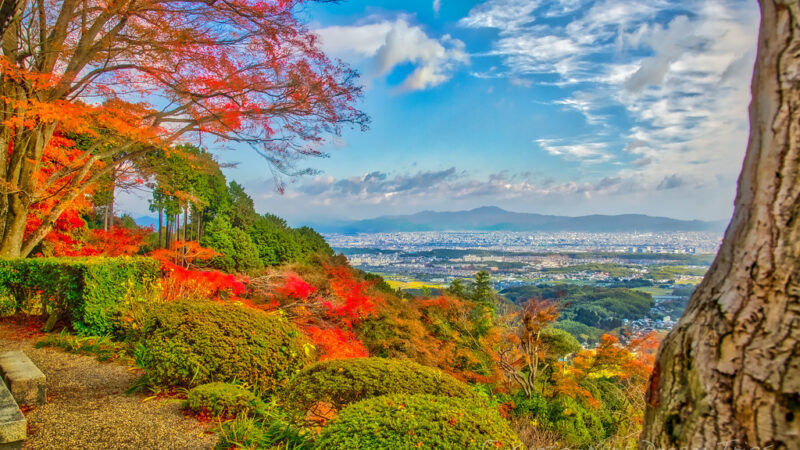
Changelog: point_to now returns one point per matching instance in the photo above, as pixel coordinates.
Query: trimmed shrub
(191, 342)
(340, 382)
(90, 291)
(223, 399)
(417, 421)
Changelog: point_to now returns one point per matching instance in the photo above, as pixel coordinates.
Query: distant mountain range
(490, 218)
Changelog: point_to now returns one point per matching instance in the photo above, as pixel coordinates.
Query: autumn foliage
(335, 343)
(118, 241)
(296, 288)
(181, 281)
(350, 301)
(136, 76)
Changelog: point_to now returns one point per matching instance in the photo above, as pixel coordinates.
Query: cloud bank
(678, 69)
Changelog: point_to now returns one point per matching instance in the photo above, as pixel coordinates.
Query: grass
(101, 347)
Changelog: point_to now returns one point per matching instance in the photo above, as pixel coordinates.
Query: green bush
(8, 305)
(344, 381)
(579, 424)
(412, 421)
(533, 407)
(223, 399)
(191, 342)
(90, 291)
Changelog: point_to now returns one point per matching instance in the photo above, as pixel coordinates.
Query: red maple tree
(140, 75)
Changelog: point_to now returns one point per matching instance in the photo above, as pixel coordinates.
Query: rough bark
(728, 375)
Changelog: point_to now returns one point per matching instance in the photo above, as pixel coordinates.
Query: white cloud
(437, 6)
(389, 44)
(363, 40)
(505, 14)
(448, 185)
(679, 69)
(592, 152)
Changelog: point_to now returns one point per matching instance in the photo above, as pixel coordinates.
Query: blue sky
(554, 106)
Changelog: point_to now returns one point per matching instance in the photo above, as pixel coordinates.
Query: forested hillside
(586, 311)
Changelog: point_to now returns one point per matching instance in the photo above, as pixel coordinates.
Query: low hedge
(223, 399)
(344, 381)
(192, 342)
(417, 421)
(88, 290)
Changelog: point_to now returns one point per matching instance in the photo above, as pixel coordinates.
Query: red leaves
(351, 301)
(22, 326)
(296, 288)
(334, 343)
(183, 253)
(325, 313)
(179, 282)
(118, 241)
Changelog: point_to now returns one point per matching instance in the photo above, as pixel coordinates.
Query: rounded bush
(223, 399)
(580, 425)
(192, 342)
(417, 421)
(340, 382)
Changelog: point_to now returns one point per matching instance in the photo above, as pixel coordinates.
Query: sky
(566, 107)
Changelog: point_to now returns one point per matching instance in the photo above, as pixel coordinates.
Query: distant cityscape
(666, 242)
(660, 264)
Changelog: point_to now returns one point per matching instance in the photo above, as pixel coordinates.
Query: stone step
(13, 425)
(26, 382)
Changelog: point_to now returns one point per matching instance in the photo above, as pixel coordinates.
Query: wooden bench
(13, 425)
(26, 382)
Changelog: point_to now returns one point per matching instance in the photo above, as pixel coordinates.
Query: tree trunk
(185, 230)
(167, 232)
(18, 189)
(110, 207)
(728, 375)
(160, 224)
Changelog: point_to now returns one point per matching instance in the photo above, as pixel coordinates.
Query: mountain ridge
(492, 218)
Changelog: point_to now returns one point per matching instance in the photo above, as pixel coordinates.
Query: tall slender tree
(728, 374)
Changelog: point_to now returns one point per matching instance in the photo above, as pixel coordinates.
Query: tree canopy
(145, 74)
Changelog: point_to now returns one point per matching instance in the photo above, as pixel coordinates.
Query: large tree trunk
(728, 375)
(19, 187)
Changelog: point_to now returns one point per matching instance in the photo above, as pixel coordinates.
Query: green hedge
(223, 399)
(344, 381)
(417, 421)
(88, 290)
(191, 342)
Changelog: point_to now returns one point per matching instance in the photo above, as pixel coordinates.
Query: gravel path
(87, 407)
